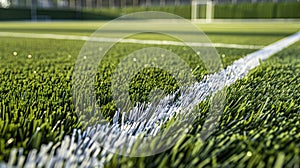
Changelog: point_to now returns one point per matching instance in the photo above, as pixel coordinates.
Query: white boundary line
(71, 152)
(269, 20)
(135, 41)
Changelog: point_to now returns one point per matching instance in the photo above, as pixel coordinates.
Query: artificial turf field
(259, 127)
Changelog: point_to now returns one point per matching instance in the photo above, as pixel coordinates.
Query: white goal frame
(209, 10)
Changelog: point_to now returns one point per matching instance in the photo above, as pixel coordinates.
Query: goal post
(209, 10)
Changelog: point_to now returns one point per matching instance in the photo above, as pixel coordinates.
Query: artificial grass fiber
(259, 126)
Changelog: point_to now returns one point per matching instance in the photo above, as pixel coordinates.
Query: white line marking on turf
(135, 41)
(85, 152)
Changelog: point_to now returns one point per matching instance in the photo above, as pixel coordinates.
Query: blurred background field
(255, 33)
(110, 9)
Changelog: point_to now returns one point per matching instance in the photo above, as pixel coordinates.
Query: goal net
(202, 10)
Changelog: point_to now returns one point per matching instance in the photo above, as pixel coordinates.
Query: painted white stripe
(135, 41)
(85, 152)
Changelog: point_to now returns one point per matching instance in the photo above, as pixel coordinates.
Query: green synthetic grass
(255, 33)
(36, 88)
(259, 127)
(35, 92)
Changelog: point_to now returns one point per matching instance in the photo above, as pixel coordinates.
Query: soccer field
(259, 125)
